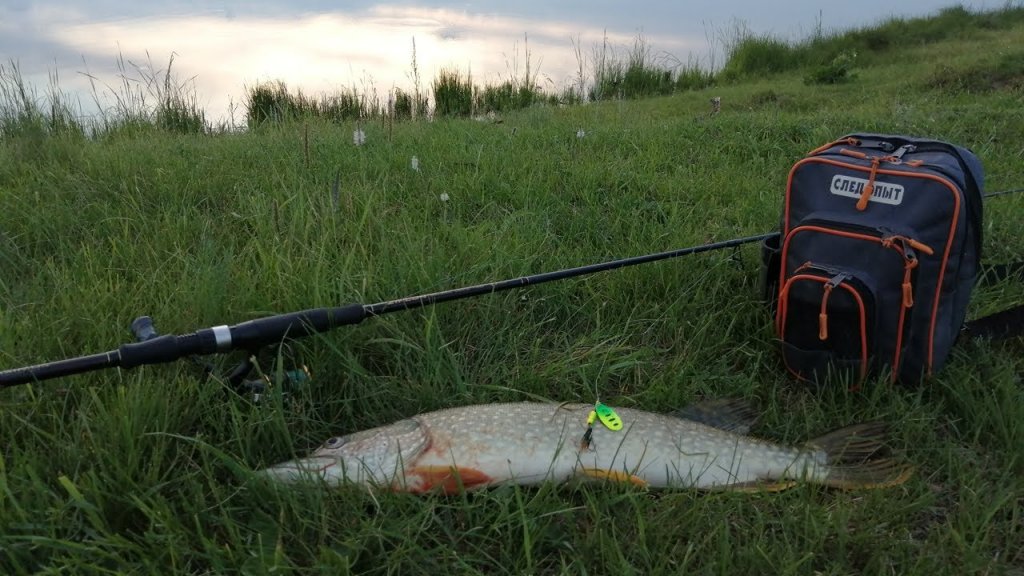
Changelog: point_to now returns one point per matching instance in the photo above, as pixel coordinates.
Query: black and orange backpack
(879, 250)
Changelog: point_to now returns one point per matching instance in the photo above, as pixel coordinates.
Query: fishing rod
(152, 348)
(251, 336)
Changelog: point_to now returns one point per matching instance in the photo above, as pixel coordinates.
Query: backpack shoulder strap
(999, 326)
(1005, 323)
(1003, 271)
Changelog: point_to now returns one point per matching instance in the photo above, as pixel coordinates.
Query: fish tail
(858, 458)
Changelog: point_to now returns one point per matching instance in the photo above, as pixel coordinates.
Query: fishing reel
(246, 379)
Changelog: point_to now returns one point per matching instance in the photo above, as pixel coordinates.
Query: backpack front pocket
(875, 288)
(826, 320)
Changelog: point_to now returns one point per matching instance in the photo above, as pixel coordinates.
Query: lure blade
(608, 417)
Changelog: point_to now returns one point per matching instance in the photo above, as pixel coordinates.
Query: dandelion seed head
(444, 196)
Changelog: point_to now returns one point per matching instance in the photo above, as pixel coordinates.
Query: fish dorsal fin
(730, 414)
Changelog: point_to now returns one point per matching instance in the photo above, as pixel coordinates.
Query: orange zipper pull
(823, 314)
(869, 188)
(909, 263)
(907, 246)
(854, 153)
(890, 238)
(919, 246)
(908, 291)
(847, 141)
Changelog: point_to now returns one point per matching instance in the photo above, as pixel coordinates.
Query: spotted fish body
(530, 443)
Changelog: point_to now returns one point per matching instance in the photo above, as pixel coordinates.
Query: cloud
(312, 45)
(322, 51)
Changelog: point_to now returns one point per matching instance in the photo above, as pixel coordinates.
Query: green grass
(754, 55)
(148, 470)
(638, 74)
(272, 102)
(453, 93)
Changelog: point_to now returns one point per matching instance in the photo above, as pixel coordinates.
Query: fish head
(375, 457)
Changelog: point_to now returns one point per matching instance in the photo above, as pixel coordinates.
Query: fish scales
(529, 442)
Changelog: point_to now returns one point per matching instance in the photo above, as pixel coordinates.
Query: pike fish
(705, 446)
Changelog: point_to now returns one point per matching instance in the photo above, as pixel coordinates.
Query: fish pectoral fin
(761, 486)
(445, 479)
(615, 475)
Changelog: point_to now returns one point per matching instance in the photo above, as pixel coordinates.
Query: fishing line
(1002, 193)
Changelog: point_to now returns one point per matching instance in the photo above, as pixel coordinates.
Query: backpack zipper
(905, 246)
(837, 278)
(896, 158)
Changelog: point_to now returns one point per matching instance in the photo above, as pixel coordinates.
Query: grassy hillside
(148, 470)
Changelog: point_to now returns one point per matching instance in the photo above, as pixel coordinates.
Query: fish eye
(334, 442)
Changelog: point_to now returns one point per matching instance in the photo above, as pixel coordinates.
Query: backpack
(878, 253)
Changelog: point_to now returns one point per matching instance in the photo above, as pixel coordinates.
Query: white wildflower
(415, 164)
(444, 196)
(580, 133)
(358, 137)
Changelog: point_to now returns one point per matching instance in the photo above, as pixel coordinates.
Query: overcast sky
(320, 45)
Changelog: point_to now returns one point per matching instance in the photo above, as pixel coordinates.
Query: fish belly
(498, 444)
(534, 443)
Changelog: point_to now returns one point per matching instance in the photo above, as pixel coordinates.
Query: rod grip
(266, 331)
(162, 349)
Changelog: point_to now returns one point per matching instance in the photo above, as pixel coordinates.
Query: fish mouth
(311, 469)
